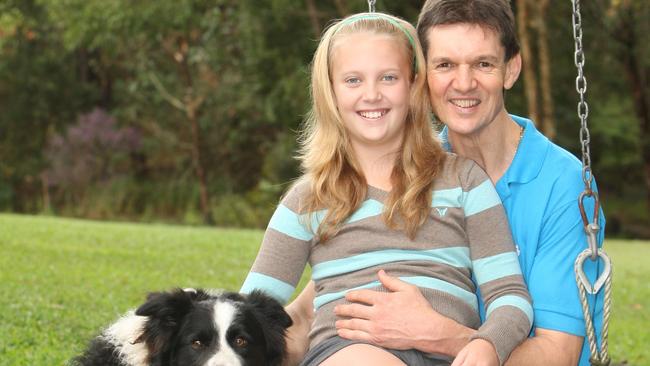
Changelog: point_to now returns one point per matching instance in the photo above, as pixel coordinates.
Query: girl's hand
(478, 352)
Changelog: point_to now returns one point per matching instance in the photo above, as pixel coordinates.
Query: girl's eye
(241, 342)
(389, 78)
(196, 344)
(352, 81)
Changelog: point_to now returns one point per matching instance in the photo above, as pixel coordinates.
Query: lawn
(63, 279)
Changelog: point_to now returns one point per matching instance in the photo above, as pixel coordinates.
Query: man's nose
(464, 79)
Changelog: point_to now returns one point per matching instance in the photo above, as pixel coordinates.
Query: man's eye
(241, 342)
(443, 65)
(485, 65)
(197, 345)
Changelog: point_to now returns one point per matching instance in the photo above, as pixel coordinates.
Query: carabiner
(591, 228)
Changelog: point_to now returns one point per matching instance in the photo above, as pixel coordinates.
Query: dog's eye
(241, 342)
(196, 344)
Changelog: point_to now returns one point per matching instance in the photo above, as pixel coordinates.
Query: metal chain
(581, 88)
(371, 6)
(591, 228)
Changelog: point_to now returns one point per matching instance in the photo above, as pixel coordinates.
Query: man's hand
(400, 319)
(478, 352)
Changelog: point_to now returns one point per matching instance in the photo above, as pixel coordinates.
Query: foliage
(92, 151)
(218, 89)
(63, 279)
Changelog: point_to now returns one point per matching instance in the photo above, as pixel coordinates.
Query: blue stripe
(447, 197)
(456, 257)
(497, 266)
(480, 198)
(368, 208)
(288, 222)
(512, 300)
(280, 290)
(420, 281)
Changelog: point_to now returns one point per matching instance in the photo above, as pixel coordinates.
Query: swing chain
(591, 228)
(581, 88)
(583, 112)
(371, 6)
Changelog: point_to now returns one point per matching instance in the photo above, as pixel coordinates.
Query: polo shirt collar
(528, 160)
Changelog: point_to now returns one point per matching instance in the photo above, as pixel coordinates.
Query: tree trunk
(637, 74)
(197, 163)
(530, 80)
(638, 79)
(341, 8)
(313, 18)
(192, 106)
(548, 121)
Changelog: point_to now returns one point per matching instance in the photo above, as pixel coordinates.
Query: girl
(378, 192)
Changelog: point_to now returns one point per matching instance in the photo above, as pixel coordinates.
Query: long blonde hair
(336, 182)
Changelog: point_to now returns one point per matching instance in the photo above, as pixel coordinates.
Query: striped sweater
(465, 235)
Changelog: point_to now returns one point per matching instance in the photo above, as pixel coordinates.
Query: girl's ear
(513, 68)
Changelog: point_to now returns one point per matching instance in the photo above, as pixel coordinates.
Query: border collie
(194, 328)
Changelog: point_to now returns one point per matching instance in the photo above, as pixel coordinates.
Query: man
(472, 57)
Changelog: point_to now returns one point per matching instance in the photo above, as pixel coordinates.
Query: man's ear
(513, 68)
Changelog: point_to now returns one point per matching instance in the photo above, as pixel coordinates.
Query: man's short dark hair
(495, 15)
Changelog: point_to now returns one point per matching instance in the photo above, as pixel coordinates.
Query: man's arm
(547, 347)
(403, 319)
(301, 311)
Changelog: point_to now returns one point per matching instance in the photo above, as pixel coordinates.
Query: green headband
(391, 20)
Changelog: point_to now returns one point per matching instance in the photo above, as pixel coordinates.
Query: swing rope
(598, 358)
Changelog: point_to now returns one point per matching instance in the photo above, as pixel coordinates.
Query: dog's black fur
(180, 328)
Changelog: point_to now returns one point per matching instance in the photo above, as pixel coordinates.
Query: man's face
(467, 73)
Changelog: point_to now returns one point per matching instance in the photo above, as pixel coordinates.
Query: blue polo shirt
(540, 193)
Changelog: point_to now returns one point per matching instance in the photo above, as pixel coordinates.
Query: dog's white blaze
(224, 313)
(123, 333)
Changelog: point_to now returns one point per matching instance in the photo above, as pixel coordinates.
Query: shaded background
(186, 111)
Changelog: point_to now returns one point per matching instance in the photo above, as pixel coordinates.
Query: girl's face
(371, 82)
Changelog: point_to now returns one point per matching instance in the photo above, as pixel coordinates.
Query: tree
(533, 35)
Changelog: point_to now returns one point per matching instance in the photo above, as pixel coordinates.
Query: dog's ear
(167, 307)
(271, 308)
(166, 311)
(274, 322)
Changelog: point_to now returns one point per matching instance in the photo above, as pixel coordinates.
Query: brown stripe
(489, 233)
(506, 327)
(371, 234)
(456, 276)
(513, 285)
(274, 251)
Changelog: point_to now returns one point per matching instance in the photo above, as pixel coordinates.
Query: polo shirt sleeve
(551, 279)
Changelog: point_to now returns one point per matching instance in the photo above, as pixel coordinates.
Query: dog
(194, 328)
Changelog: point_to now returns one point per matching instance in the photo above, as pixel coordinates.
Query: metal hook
(371, 5)
(591, 228)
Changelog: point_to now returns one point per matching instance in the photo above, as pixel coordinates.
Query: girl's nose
(372, 93)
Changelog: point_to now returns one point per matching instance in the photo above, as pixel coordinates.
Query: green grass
(61, 280)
